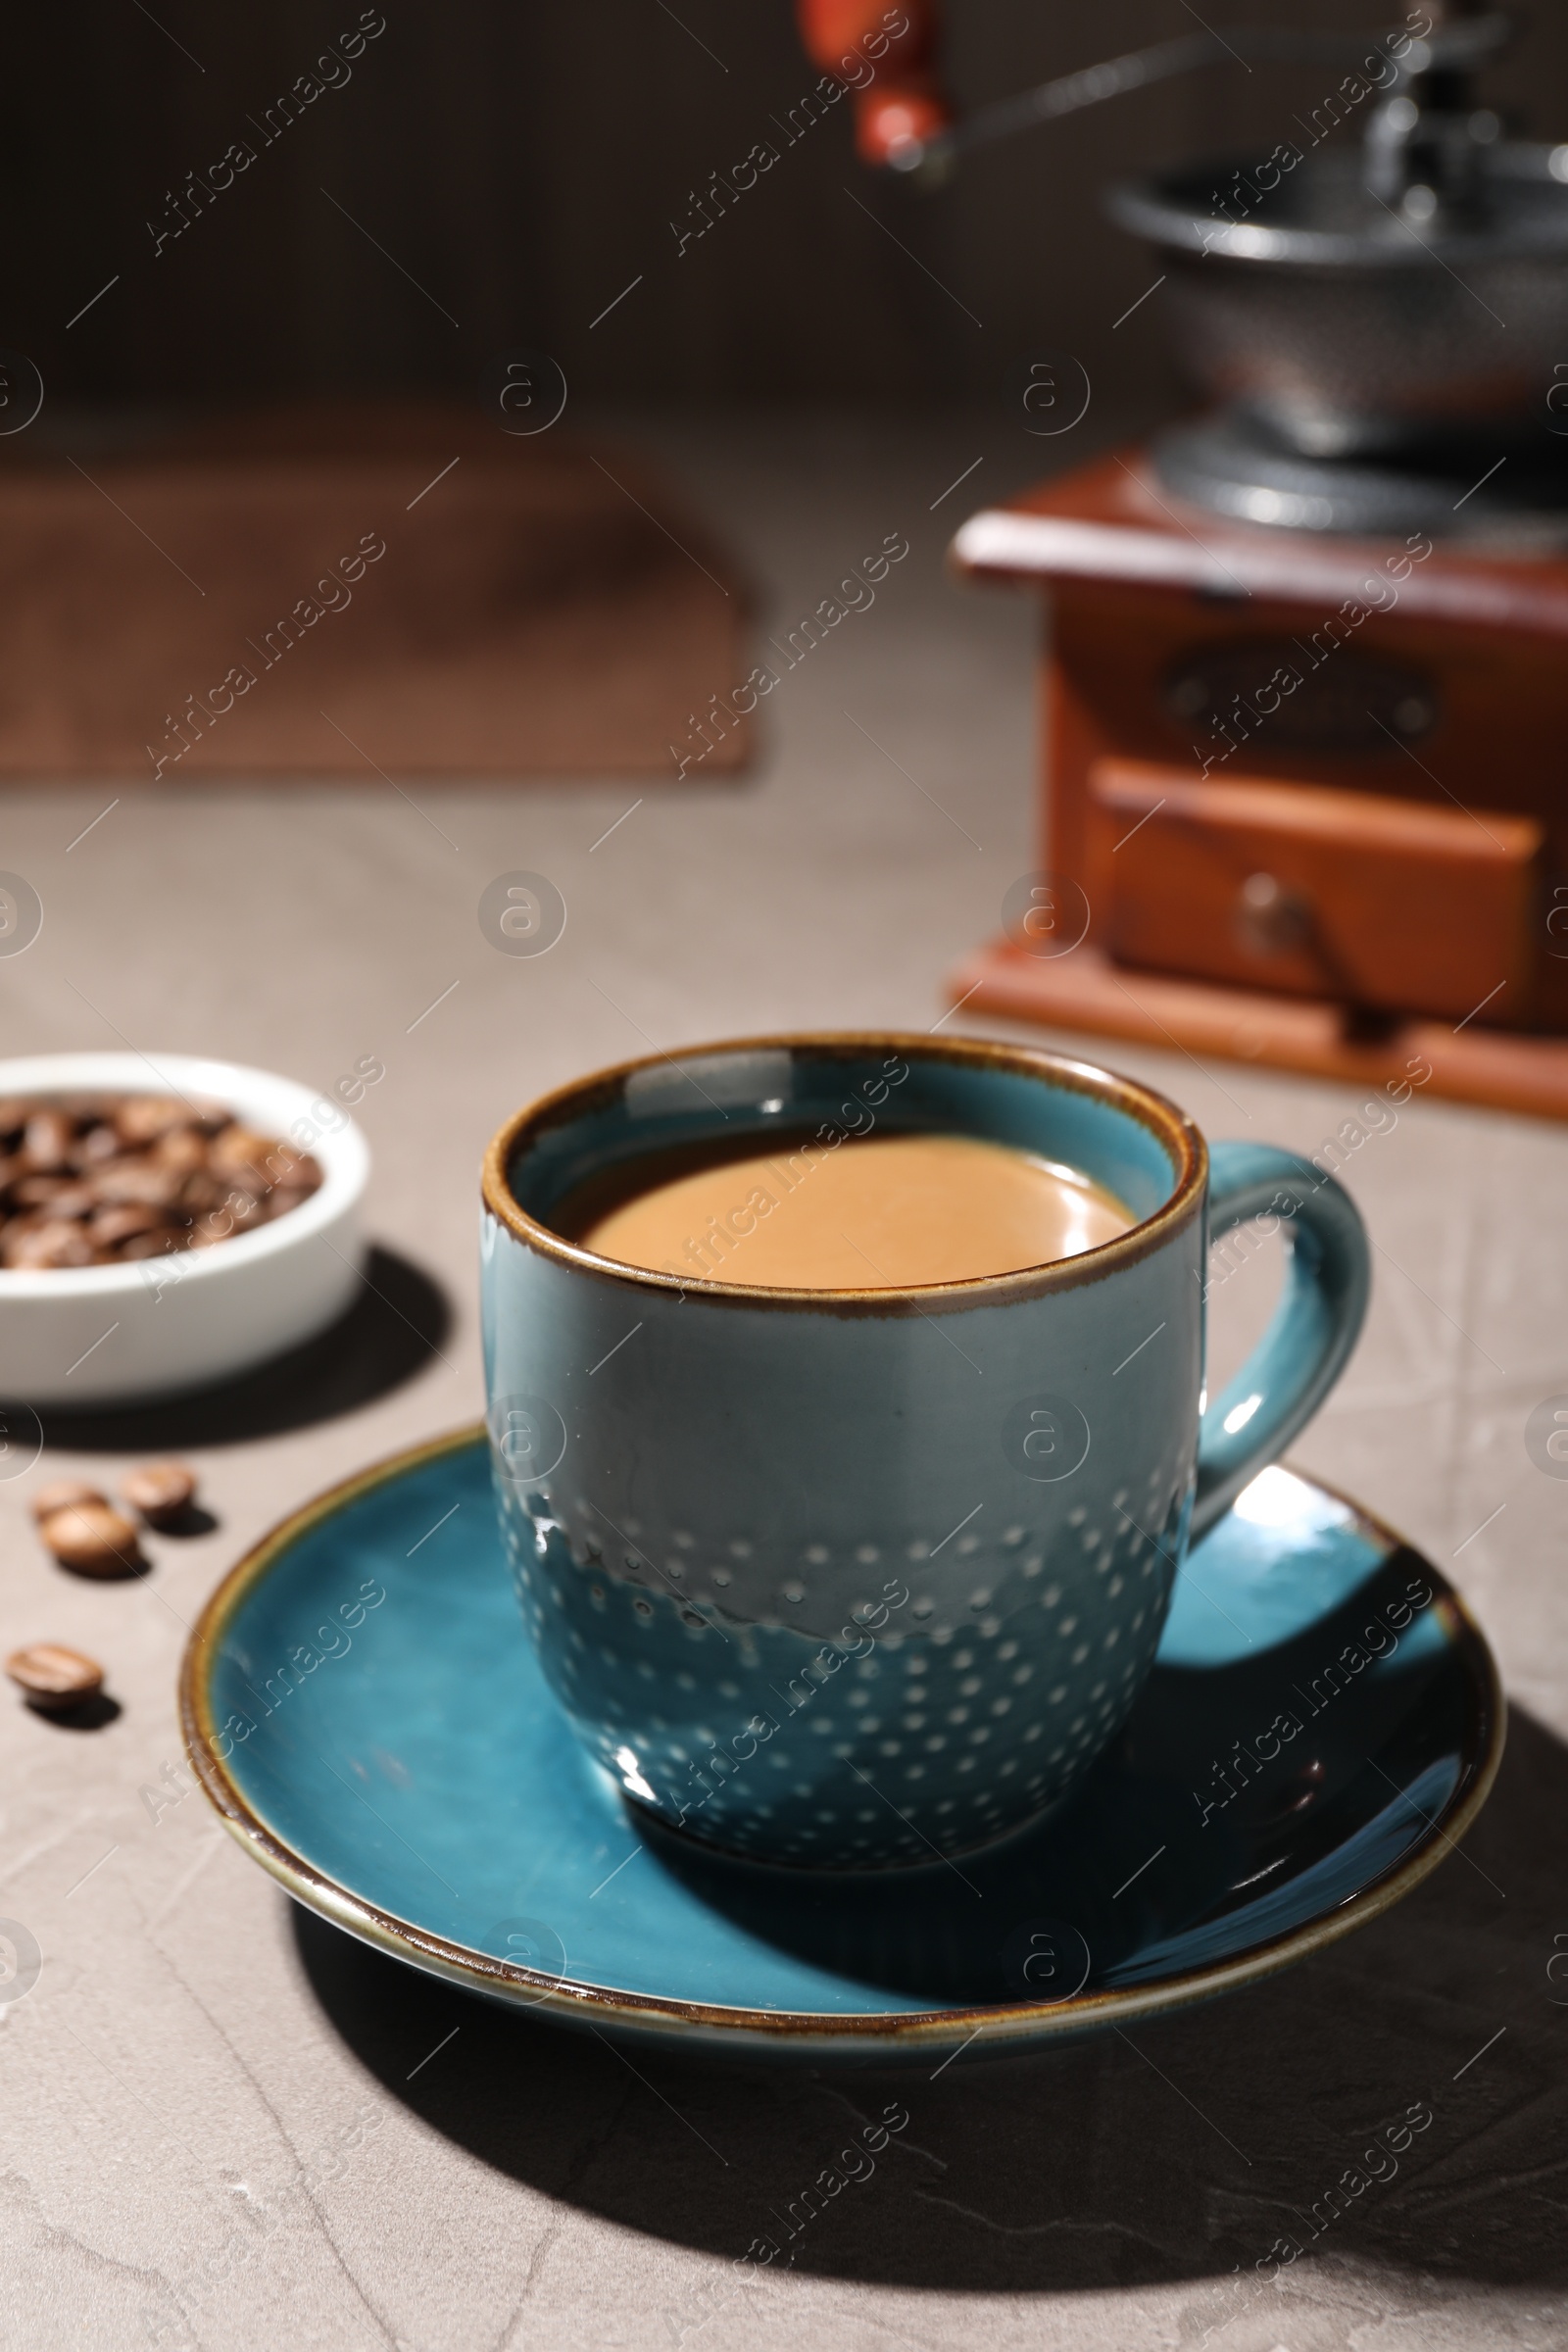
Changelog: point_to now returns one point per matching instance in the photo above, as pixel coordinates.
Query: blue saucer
(1323, 1721)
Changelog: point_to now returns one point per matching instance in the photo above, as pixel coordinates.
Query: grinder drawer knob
(1270, 919)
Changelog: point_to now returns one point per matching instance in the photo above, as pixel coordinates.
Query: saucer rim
(923, 2031)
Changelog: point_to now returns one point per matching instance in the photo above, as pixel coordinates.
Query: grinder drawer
(1314, 891)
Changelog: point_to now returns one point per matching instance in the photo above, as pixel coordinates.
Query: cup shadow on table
(1179, 2151)
(398, 1317)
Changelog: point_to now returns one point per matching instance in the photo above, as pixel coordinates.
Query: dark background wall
(522, 164)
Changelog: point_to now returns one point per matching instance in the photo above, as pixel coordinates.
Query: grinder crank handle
(904, 120)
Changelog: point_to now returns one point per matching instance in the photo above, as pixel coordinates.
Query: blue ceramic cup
(850, 1578)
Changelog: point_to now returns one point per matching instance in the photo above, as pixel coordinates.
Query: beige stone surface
(211, 2136)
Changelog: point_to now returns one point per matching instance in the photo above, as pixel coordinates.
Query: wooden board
(334, 596)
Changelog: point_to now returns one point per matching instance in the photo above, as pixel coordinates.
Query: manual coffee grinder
(1306, 680)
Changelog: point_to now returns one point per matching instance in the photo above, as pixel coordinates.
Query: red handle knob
(885, 56)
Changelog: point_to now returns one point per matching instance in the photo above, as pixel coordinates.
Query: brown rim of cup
(1163, 1119)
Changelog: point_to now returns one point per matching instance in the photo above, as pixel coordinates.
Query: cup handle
(1303, 1352)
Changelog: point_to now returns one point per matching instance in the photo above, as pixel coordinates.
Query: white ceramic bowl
(97, 1335)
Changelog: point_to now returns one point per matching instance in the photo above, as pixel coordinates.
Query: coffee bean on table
(93, 1539)
(160, 1492)
(53, 1677)
(61, 1494)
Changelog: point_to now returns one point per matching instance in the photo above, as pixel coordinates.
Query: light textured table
(211, 2135)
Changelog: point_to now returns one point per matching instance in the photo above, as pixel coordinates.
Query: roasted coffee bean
(137, 1179)
(101, 1179)
(201, 1191)
(93, 1538)
(241, 1155)
(43, 1245)
(159, 1243)
(183, 1150)
(143, 1118)
(98, 1143)
(293, 1170)
(47, 1140)
(240, 1211)
(53, 1677)
(60, 1495)
(160, 1492)
(123, 1221)
(62, 1195)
